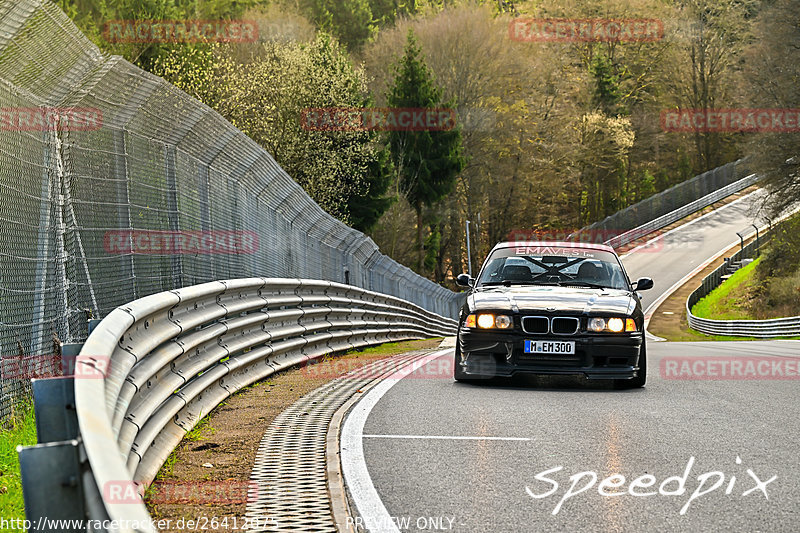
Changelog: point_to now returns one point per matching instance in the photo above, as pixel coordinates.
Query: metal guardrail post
(51, 484)
(758, 245)
(51, 470)
(770, 328)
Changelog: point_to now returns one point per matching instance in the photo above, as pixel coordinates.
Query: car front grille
(538, 325)
(557, 325)
(565, 325)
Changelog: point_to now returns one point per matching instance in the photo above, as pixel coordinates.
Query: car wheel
(459, 374)
(641, 375)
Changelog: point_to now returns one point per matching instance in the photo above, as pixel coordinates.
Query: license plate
(550, 347)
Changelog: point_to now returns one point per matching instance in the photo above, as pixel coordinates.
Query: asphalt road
(420, 478)
(674, 254)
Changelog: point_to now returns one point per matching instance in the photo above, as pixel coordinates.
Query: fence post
(172, 210)
(123, 203)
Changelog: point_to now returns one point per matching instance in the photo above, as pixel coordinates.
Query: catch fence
(105, 167)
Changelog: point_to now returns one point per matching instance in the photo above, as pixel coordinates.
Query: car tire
(641, 376)
(459, 374)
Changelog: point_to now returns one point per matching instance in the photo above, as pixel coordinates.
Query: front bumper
(492, 353)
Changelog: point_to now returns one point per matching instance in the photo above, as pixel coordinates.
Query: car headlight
(615, 325)
(612, 325)
(489, 321)
(503, 321)
(597, 324)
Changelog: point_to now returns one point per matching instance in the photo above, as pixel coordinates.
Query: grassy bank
(19, 429)
(731, 300)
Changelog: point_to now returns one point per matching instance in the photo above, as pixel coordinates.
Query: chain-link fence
(671, 199)
(91, 204)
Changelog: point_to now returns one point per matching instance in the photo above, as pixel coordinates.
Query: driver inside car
(592, 273)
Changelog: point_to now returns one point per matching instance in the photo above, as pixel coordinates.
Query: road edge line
(357, 481)
(690, 222)
(653, 307)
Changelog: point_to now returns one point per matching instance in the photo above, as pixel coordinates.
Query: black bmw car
(552, 308)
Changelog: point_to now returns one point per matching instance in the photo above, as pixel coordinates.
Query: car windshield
(549, 265)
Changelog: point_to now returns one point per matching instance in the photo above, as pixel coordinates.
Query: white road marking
(648, 313)
(691, 222)
(354, 467)
(441, 437)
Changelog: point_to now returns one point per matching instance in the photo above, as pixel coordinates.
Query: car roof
(554, 244)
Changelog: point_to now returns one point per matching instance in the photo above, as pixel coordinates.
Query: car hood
(573, 300)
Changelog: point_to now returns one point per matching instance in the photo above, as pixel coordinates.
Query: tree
(427, 162)
(716, 32)
(349, 20)
(773, 72)
(346, 172)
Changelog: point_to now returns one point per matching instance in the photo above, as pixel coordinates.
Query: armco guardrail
(778, 327)
(164, 361)
(698, 192)
(673, 216)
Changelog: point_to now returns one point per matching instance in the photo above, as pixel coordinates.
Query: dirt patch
(227, 439)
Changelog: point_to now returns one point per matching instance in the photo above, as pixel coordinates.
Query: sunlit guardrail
(777, 327)
(673, 216)
(166, 360)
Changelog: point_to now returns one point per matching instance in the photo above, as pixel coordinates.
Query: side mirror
(643, 284)
(464, 280)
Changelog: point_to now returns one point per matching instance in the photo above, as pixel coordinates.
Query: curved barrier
(164, 361)
(776, 327)
(684, 211)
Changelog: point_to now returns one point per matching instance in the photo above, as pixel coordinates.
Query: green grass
(200, 430)
(19, 429)
(729, 301)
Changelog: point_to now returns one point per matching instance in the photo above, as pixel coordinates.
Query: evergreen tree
(351, 21)
(427, 162)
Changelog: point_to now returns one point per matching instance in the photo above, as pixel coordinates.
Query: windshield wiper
(509, 282)
(582, 284)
